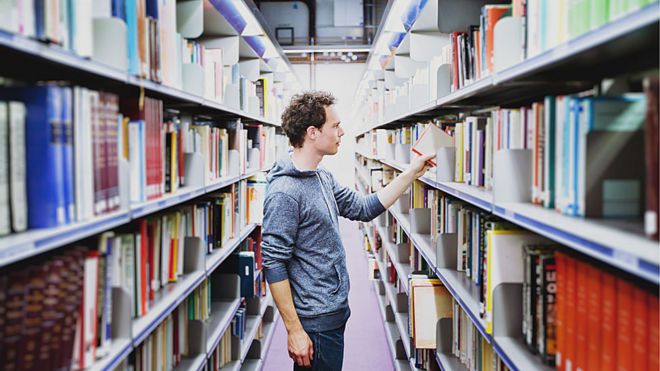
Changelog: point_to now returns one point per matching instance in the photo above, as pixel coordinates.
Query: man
(303, 256)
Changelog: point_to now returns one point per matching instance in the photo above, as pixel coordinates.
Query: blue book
(67, 152)
(153, 8)
(40, 19)
(246, 263)
(43, 153)
(132, 34)
(119, 9)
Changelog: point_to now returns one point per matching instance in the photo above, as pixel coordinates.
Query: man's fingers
(311, 351)
(306, 361)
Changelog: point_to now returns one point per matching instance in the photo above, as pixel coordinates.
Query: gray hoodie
(301, 240)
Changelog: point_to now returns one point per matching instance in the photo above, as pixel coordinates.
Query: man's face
(326, 140)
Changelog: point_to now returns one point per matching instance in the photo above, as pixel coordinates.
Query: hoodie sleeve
(355, 206)
(280, 227)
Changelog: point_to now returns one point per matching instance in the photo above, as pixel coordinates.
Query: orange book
(570, 314)
(624, 325)
(640, 323)
(595, 317)
(493, 14)
(608, 324)
(654, 333)
(582, 315)
(561, 292)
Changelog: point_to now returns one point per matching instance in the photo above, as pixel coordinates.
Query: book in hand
(430, 140)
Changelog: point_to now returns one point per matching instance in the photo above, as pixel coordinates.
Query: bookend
(224, 287)
(512, 176)
(254, 305)
(443, 335)
(121, 314)
(254, 159)
(445, 159)
(402, 252)
(389, 154)
(381, 220)
(401, 305)
(193, 255)
(446, 248)
(400, 350)
(403, 203)
(193, 79)
(194, 175)
(190, 18)
(508, 45)
(269, 314)
(420, 220)
(232, 96)
(253, 106)
(389, 313)
(443, 80)
(197, 335)
(381, 287)
(233, 163)
(106, 48)
(420, 95)
(507, 311)
(402, 153)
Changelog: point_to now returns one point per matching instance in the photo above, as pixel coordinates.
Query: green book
(599, 13)
(578, 17)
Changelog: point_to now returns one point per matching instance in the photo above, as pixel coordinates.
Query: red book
(97, 152)
(595, 317)
(624, 325)
(609, 320)
(561, 322)
(570, 342)
(493, 15)
(582, 316)
(654, 333)
(640, 331)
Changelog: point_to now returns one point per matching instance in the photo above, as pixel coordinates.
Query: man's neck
(306, 158)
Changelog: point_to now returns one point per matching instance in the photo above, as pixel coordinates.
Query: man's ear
(311, 132)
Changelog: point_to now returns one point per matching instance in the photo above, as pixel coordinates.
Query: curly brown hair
(305, 110)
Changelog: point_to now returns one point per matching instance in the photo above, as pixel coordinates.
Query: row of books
(76, 154)
(491, 252)
(63, 166)
(550, 23)
(222, 354)
(155, 48)
(167, 345)
(565, 135)
(469, 347)
(40, 312)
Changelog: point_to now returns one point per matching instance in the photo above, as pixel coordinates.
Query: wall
(341, 80)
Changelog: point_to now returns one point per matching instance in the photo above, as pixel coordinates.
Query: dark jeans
(328, 351)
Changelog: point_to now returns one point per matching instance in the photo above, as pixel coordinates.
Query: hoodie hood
(285, 167)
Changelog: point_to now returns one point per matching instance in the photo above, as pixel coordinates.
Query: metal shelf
(192, 364)
(118, 351)
(516, 355)
(167, 299)
(449, 362)
(26, 244)
(222, 314)
(214, 259)
(19, 246)
(619, 243)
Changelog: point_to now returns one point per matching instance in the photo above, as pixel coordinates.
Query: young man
(303, 256)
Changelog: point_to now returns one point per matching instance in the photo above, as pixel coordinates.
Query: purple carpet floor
(365, 342)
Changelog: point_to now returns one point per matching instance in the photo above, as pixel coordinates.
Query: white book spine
(17, 176)
(5, 225)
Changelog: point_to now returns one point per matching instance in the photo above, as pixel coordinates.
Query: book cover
(5, 217)
(624, 324)
(17, 166)
(44, 155)
(641, 321)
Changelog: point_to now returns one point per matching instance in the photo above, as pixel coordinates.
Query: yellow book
(458, 145)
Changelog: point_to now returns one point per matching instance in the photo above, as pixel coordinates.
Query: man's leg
(328, 351)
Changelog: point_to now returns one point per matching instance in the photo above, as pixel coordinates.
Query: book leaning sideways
(431, 139)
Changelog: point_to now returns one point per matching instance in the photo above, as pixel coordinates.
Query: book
(430, 140)
(5, 217)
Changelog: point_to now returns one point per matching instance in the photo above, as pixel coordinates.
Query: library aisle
(365, 336)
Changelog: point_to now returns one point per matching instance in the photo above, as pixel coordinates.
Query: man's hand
(420, 165)
(301, 348)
